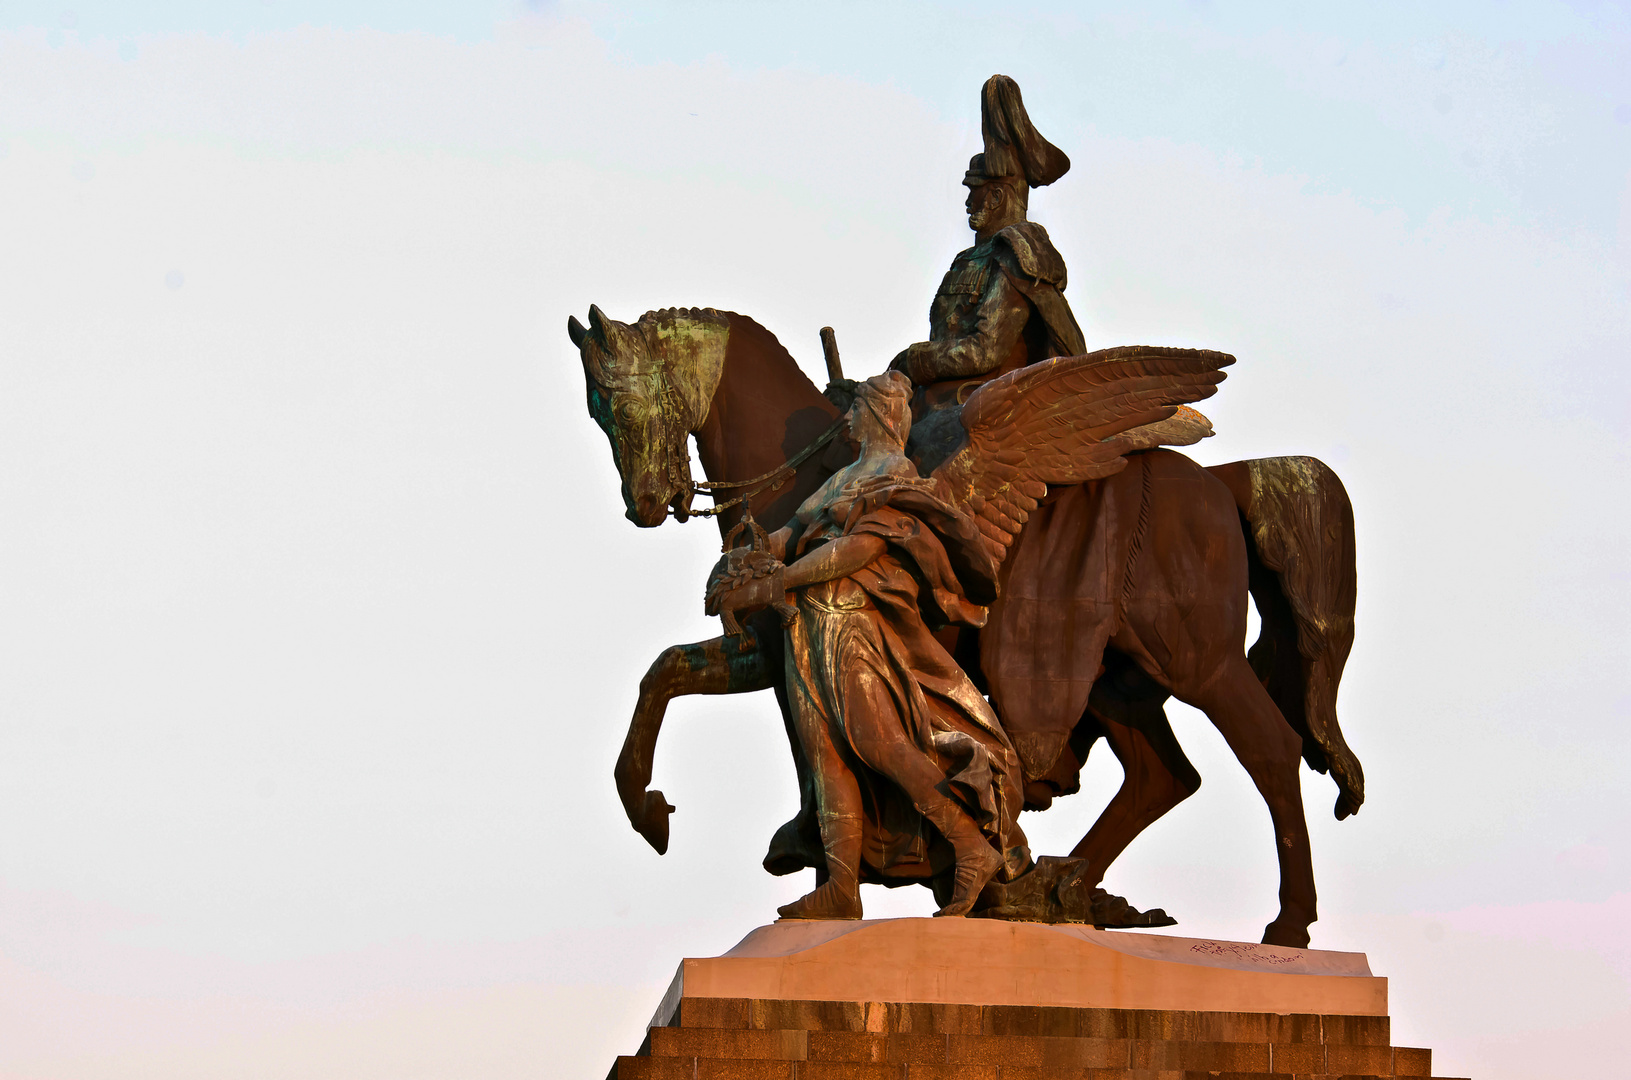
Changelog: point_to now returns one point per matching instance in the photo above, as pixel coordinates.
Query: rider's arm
(999, 322)
(839, 558)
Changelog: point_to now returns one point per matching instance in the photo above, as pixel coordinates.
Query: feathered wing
(1069, 420)
(1185, 427)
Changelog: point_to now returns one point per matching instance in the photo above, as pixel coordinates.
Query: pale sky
(321, 622)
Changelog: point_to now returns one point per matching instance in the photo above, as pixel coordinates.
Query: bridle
(678, 417)
(680, 506)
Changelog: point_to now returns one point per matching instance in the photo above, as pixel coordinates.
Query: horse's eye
(629, 411)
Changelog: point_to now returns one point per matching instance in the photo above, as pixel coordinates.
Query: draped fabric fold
(862, 653)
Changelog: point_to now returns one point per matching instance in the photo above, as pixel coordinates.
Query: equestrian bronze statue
(1105, 588)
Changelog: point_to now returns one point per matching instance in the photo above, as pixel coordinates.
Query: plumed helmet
(1014, 149)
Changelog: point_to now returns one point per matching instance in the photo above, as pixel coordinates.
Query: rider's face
(982, 202)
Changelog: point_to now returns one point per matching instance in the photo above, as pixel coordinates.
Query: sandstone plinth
(974, 999)
(986, 962)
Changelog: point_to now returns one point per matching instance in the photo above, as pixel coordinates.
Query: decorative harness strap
(771, 481)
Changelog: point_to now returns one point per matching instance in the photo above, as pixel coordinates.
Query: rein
(768, 481)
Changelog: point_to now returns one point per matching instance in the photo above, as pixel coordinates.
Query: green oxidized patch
(650, 385)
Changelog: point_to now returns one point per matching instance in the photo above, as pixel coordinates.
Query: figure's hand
(914, 362)
(743, 582)
(903, 362)
(749, 596)
(736, 566)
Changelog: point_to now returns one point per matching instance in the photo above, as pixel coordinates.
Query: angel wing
(1068, 420)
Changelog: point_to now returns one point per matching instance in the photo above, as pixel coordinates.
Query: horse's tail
(1300, 539)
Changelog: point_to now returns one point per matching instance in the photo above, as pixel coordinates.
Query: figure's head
(994, 204)
(1016, 158)
(882, 413)
(650, 386)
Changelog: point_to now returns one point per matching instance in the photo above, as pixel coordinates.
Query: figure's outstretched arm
(840, 558)
(706, 667)
(837, 559)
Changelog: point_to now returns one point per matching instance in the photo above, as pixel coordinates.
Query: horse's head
(650, 386)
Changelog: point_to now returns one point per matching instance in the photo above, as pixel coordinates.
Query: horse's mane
(668, 316)
(771, 349)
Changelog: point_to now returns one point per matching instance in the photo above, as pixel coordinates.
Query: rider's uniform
(1000, 306)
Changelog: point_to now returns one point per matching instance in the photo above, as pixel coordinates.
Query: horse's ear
(597, 320)
(575, 330)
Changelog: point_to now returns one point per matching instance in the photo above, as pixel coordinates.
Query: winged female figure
(895, 733)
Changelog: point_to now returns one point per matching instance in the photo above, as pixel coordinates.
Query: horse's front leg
(717, 666)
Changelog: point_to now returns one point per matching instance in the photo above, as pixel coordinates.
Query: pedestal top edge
(788, 937)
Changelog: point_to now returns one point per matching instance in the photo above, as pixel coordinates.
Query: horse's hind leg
(1271, 751)
(1156, 776)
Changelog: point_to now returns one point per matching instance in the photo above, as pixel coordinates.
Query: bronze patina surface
(996, 566)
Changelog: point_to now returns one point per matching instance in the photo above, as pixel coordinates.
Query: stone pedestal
(972, 999)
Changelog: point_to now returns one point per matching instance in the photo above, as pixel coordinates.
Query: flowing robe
(862, 666)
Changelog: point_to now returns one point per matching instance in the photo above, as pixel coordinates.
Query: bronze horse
(1189, 544)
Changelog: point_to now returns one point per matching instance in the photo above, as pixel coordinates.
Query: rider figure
(1001, 305)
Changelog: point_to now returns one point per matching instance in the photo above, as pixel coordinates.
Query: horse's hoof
(653, 823)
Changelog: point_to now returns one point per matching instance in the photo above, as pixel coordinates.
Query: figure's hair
(889, 398)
